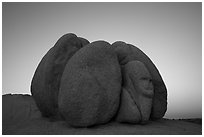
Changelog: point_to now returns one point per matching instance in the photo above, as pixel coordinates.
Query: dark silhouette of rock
(90, 86)
(137, 94)
(46, 80)
(127, 53)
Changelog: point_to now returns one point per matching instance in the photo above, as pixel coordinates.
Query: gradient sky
(169, 33)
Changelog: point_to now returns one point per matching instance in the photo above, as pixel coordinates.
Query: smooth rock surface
(127, 53)
(46, 80)
(138, 91)
(90, 86)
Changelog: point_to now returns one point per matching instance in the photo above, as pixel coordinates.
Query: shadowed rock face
(46, 80)
(127, 53)
(137, 94)
(90, 86)
(83, 41)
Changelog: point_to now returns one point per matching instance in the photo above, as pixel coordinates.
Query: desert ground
(20, 116)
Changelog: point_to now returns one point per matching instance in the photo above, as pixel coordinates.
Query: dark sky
(169, 33)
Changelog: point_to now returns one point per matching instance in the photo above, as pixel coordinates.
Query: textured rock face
(127, 53)
(46, 80)
(90, 86)
(137, 94)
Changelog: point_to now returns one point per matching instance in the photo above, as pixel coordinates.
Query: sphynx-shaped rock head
(137, 94)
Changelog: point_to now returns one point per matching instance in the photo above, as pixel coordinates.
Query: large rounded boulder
(46, 80)
(90, 86)
(127, 53)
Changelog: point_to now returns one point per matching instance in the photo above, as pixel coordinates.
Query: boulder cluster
(88, 84)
